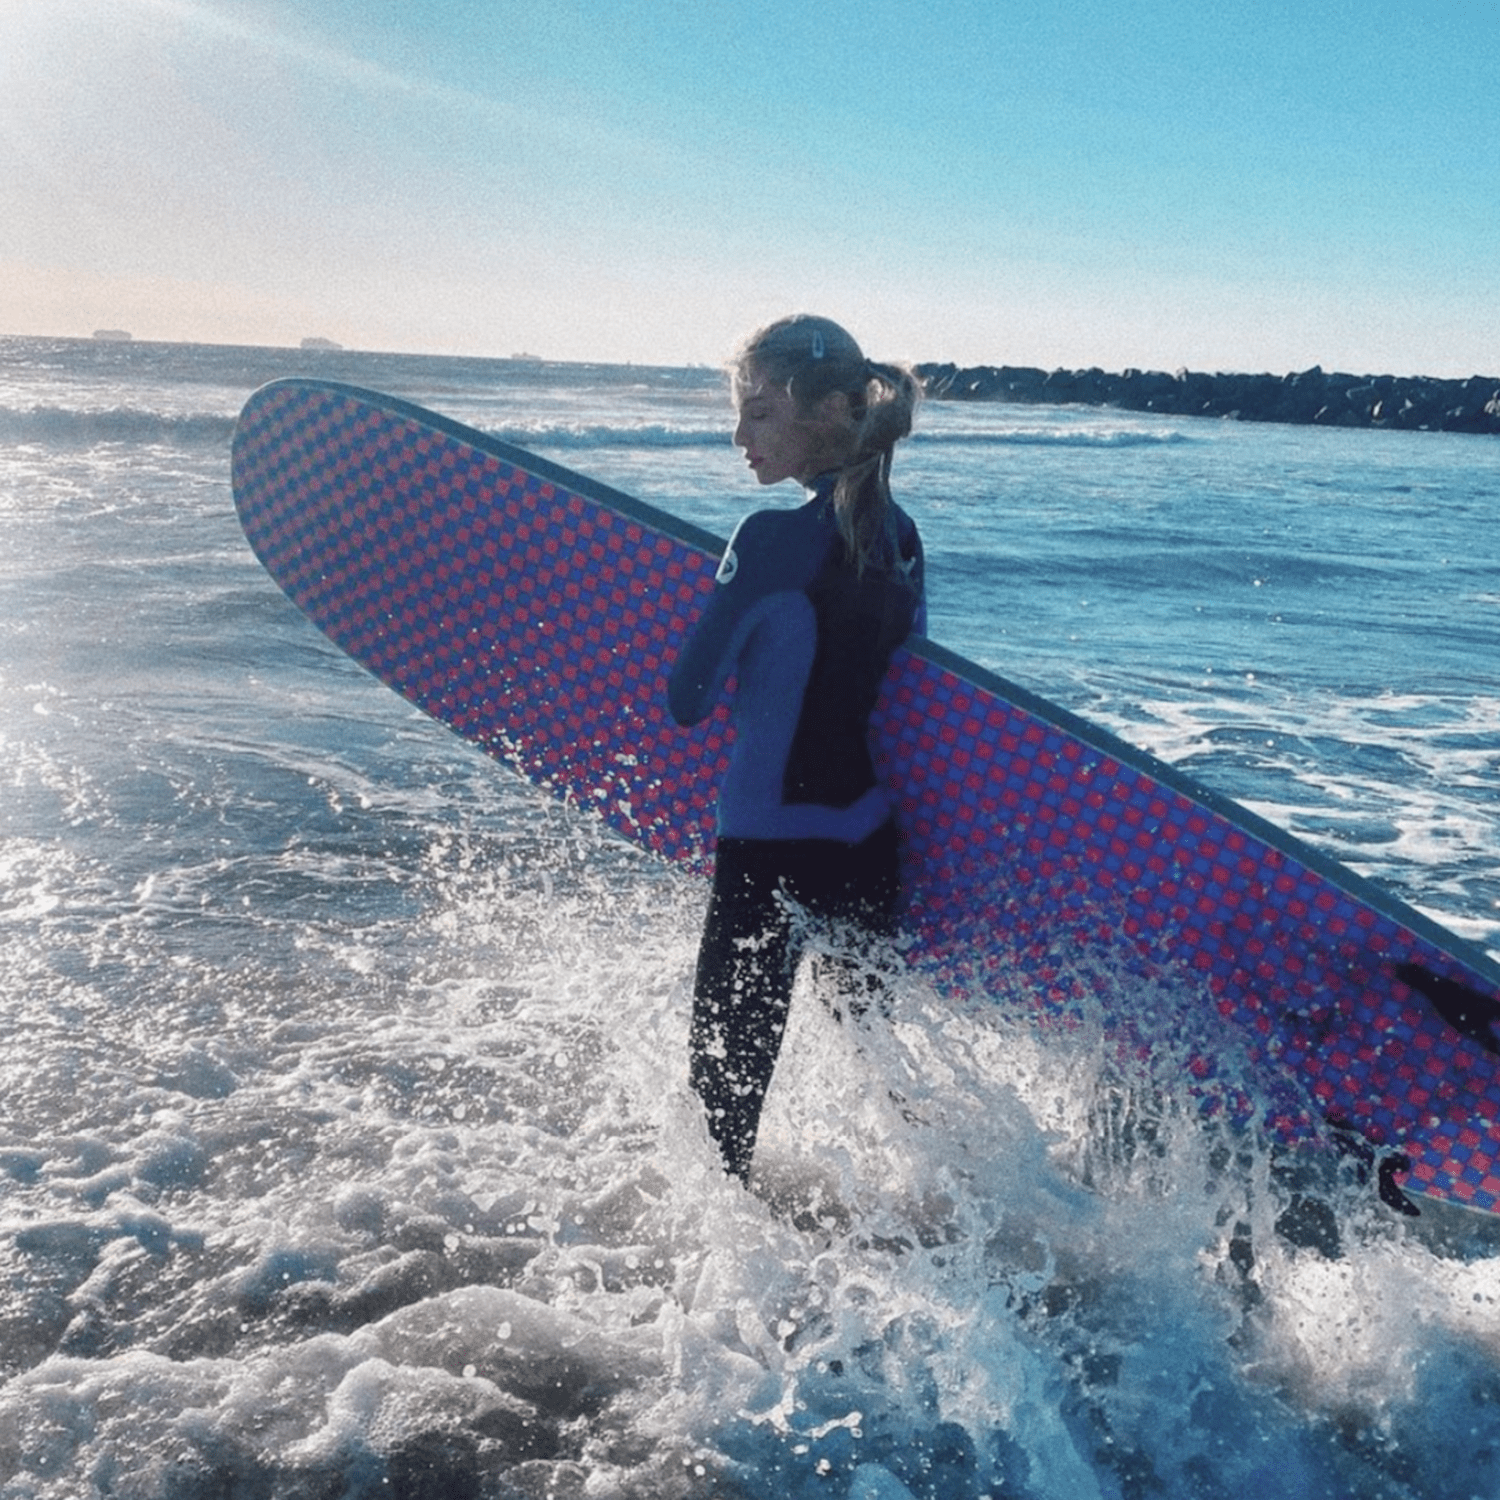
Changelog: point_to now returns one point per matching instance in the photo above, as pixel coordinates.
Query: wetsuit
(804, 828)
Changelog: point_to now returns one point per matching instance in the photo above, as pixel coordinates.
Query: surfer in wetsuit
(808, 607)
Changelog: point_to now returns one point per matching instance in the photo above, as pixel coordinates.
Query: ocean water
(345, 1144)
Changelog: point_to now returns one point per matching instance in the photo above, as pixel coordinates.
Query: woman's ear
(833, 410)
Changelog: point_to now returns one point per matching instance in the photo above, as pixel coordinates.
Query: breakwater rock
(1413, 402)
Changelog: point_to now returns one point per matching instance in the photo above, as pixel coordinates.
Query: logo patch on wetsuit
(729, 565)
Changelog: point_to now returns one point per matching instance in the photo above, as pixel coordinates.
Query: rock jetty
(1415, 402)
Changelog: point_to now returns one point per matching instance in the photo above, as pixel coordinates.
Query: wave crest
(65, 427)
(1055, 437)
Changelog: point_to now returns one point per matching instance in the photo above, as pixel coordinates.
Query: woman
(809, 605)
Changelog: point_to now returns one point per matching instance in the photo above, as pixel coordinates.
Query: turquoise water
(345, 1145)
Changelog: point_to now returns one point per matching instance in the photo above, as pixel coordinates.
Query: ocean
(345, 1142)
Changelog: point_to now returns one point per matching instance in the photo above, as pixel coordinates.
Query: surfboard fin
(1390, 1190)
(1386, 1165)
(1467, 1011)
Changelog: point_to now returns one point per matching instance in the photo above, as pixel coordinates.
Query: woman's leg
(741, 995)
(856, 889)
(764, 890)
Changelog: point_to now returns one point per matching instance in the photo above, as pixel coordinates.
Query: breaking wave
(75, 428)
(62, 427)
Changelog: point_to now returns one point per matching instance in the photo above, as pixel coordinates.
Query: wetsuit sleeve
(708, 655)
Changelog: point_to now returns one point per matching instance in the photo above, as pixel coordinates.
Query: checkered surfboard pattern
(537, 613)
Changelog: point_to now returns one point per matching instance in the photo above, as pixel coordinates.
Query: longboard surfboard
(537, 612)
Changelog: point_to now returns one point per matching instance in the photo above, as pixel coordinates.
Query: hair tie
(819, 348)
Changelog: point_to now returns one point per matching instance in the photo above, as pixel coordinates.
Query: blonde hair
(811, 358)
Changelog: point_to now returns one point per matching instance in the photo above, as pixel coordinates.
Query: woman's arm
(707, 657)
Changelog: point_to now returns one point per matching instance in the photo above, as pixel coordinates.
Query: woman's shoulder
(776, 520)
(758, 523)
(775, 548)
(774, 529)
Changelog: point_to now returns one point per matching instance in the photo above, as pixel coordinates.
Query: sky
(1162, 184)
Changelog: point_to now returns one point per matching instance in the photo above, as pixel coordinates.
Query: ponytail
(812, 358)
(862, 492)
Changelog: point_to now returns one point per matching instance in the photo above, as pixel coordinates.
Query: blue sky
(1050, 182)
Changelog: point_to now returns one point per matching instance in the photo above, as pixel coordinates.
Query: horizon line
(331, 347)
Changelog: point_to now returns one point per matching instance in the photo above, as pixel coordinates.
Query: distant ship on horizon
(113, 335)
(321, 344)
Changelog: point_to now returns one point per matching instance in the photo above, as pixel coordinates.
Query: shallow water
(344, 1137)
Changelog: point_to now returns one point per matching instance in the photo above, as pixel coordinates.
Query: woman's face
(780, 442)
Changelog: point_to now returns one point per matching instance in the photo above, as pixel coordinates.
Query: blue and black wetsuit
(805, 829)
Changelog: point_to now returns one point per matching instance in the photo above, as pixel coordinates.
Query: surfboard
(537, 613)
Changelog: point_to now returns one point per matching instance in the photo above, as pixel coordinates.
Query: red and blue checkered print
(538, 615)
